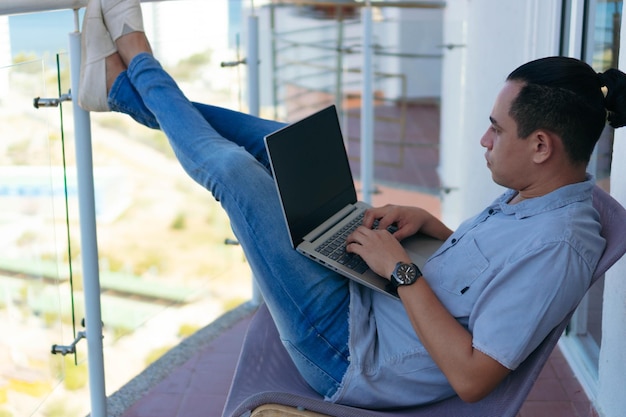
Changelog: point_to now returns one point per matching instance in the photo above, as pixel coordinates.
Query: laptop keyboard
(335, 247)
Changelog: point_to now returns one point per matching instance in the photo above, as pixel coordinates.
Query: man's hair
(561, 95)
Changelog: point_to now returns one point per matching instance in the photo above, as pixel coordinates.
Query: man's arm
(471, 373)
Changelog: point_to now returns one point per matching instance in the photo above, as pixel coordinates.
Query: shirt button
(453, 241)
(491, 211)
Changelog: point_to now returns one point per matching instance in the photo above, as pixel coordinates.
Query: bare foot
(114, 66)
(131, 44)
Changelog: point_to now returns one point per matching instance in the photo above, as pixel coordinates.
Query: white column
(453, 109)
(486, 40)
(611, 401)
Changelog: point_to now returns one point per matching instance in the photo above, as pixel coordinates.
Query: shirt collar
(558, 198)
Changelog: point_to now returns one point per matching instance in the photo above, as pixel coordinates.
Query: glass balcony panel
(34, 313)
(167, 262)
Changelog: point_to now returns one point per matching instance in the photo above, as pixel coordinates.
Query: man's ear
(544, 144)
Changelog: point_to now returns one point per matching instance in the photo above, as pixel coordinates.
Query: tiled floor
(557, 393)
(199, 387)
(408, 159)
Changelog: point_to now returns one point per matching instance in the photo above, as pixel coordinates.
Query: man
(535, 166)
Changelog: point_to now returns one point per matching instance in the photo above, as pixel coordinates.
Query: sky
(47, 32)
(41, 32)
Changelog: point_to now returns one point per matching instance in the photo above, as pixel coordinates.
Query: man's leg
(243, 129)
(309, 303)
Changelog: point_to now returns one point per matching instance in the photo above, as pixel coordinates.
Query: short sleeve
(526, 300)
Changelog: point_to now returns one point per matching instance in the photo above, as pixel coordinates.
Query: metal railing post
(252, 59)
(367, 109)
(89, 243)
(339, 71)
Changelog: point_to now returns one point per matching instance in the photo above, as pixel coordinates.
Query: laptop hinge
(332, 221)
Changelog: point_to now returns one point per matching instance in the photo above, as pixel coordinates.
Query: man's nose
(486, 140)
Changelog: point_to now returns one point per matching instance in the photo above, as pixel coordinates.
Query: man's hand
(407, 220)
(379, 249)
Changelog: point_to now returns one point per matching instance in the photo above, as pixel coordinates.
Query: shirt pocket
(460, 266)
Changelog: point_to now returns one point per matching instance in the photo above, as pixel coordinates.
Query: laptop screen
(311, 171)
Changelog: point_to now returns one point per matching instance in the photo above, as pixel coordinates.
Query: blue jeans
(223, 151)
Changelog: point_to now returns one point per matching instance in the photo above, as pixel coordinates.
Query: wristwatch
(404, 274)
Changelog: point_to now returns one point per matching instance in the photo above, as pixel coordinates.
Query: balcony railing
(107, 237)
(156, 269)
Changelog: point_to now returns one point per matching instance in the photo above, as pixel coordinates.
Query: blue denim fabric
(223, 151)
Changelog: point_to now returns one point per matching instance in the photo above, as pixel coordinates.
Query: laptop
(316, 190)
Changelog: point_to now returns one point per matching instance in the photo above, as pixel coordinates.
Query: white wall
(411, 31)
(494, 37)
(611, 400)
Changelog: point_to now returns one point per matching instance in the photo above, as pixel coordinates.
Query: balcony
(193, 376)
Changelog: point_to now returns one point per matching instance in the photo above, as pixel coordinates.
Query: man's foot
(131, 45)
(122, 17)
(96, 45)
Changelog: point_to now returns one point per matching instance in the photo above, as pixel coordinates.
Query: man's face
(508, 156)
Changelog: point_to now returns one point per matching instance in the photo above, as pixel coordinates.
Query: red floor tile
(200, 386)
(548, 409)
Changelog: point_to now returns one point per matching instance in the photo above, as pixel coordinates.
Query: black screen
(311, 170)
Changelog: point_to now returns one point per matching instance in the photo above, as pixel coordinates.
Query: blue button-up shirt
(508, 275)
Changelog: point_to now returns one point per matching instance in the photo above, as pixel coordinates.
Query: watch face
(406, 273)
